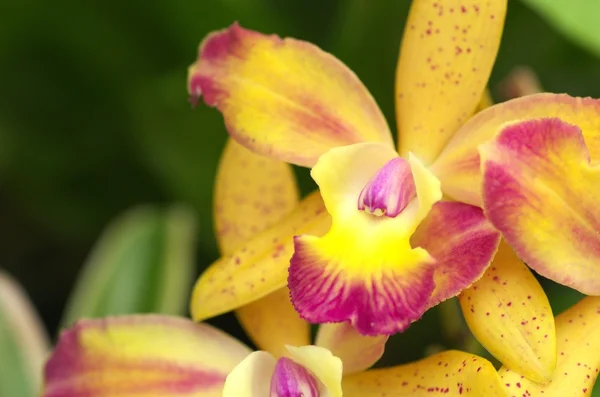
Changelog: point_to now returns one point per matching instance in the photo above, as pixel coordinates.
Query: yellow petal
(458, 165)
(259, 266)
(485, 102)
(272, 323)
(509, 313)
(324, 365)
(284, 98)
(252, 193)
(252, 377)
(540, 190)
(141, 355)
(447, 53)
(357, 352)
(451, 373)
(578, 361)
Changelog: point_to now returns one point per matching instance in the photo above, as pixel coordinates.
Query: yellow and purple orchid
(166, 356)
(394, 248)
(403, 230)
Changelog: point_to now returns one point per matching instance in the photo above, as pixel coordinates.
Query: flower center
(293, 380)
(389, 191)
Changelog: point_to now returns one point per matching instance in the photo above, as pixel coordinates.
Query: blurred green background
(94, 116)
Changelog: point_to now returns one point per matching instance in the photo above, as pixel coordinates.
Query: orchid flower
(388, 247)
(165, 356)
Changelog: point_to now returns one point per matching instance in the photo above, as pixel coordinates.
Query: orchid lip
(389, 191)
(291, 379)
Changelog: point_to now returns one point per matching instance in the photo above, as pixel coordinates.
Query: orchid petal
(252, 377)
(364, 269)
(252, 193)
(357, 352)
(485, 102)
(458, 165)
(271, 322)
(292, 379)
(451, 373)
(462, 243)
(141, 355)
(259, 266)
(540, 190)
(578, 361)
(284, 98)
(326, 367)
(343, 172)
(509, 313)
(447, 54)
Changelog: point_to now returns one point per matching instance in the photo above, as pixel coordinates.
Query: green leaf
(23, 342)
(180, 145)
(367, 38)
(576, 19)
(143, 263)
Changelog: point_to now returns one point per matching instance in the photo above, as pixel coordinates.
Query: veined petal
(458, 165)
(509, 314)
(252, 193)
(540, 190)
(271, 322)
(357, 352)
(259, 266)
(364, 269)
(380, 292)
(461, 241)
(324, 365)
(451, 373)
(252, 377)
(578, 361)
(142, 355)
(292, 379)
(284, 98)
(446, 57)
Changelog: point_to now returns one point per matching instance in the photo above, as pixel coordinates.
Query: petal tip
(215, 46)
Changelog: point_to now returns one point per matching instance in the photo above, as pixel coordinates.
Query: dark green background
(94, 116)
